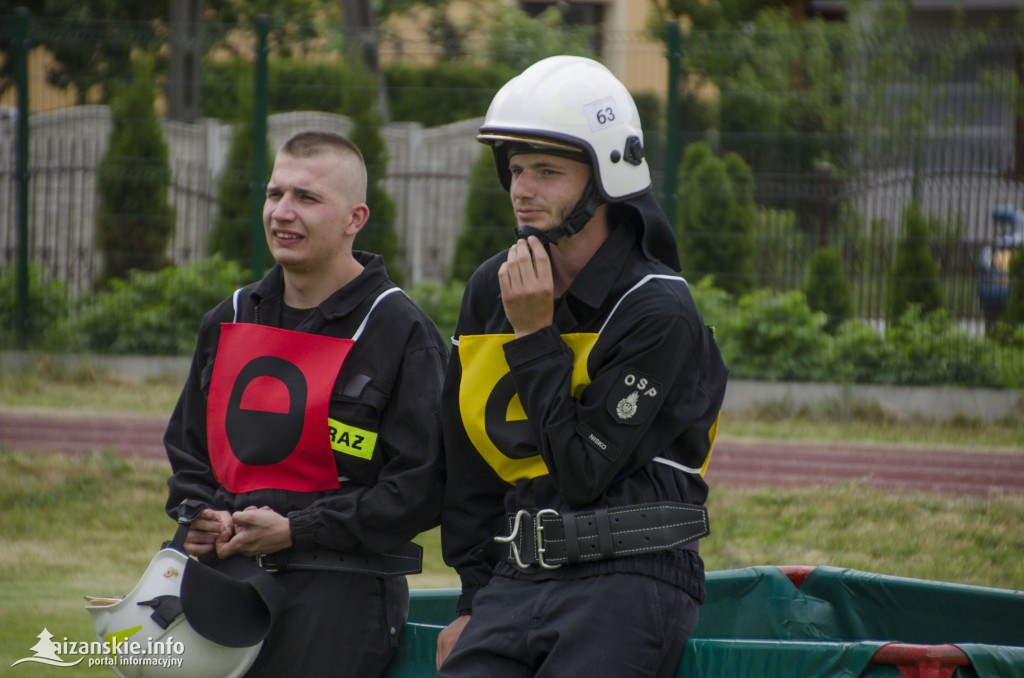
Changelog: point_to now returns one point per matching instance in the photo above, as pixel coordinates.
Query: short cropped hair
(313, 143)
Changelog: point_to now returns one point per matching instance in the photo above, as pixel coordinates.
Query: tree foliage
(378, 235)
(232, 235)
(292, 24)
(1009, 329)
(91, 41)
(134, 219)
(716, 218)
(1014, 312)
(516, 39)
(719, 15)
(828, 289)
(780, 102)
(915, 276)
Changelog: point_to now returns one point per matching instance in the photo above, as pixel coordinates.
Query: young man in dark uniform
(309, 424)
(580, 405)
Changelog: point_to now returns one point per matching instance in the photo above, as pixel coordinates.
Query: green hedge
(47, 301)
(763, 335)
(154, 313)
(226, 88)
(466, 90)
(430, 95)
(775, 336)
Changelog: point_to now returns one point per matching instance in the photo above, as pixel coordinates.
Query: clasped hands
(253, 532)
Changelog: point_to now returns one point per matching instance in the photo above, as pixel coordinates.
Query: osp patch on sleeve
(631, 399)
(351, 440)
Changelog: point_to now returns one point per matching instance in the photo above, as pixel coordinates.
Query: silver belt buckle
(539, 527)
(510, 539)
(269, 567)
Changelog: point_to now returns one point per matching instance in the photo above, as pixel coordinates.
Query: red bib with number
(268, 408)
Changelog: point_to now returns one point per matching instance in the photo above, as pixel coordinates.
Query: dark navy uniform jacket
(388, 389)
(616, 404)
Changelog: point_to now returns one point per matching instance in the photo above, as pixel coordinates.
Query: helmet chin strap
(574, 223)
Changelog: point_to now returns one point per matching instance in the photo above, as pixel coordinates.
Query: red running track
(736, 462)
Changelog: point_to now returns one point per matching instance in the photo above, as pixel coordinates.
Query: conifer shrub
(1013, 314)
(489, 224)
(914, 280)
(828, 289)
(1009, 329)
(134, 218)
(378, 235)
(716, 218)
(232, 236)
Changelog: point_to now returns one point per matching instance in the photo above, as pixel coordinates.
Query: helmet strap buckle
(634, 151)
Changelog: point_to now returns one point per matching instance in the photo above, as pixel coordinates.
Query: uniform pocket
(396, 606)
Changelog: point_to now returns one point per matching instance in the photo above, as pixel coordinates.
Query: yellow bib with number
(492, 413)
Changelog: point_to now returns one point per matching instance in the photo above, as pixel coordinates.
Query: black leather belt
(552, 539)
(406, 560)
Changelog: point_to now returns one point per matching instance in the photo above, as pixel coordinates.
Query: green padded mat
(756, 623)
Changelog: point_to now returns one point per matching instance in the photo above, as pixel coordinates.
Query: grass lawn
(88, 525)
(75, 526)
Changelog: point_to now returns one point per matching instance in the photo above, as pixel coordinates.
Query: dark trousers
(334, 624)
(608, 626)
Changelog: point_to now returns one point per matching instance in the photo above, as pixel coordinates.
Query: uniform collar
(349, 297)
(595, 282)
(343, 301)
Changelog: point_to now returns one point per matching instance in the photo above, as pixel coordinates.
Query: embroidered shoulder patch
(631, 399)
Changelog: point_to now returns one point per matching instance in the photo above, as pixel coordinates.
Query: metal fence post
(259, 146)
(22, 176)
(672, 123)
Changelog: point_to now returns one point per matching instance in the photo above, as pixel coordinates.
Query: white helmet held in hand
(563, 104)
(135, 622)
(185, 618)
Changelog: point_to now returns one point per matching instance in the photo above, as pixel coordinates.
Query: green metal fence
(835, 157)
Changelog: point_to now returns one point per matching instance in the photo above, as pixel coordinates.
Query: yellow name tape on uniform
(346, 439)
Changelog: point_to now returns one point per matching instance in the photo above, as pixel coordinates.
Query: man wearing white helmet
(580, 406)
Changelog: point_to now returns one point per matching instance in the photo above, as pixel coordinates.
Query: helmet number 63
(601, 114)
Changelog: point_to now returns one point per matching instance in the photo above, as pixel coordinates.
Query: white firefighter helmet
(138, 621)
(186, 618)
(565, 103)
